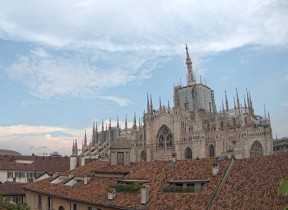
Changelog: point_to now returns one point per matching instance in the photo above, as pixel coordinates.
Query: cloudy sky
(65, 64)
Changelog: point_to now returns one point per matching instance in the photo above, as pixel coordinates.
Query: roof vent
(111, 193)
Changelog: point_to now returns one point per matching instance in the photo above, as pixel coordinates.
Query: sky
(66, 64)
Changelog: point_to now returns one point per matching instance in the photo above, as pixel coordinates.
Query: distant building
(14, 191)
(26, 169)
(207, 183)
(280, 145)
(192, 129)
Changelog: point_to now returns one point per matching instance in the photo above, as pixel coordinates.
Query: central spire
(190, 76)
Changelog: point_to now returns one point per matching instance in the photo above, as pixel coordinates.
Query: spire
(227, 105)
(93, 133)
(245, 105)
(234, 104)
(269, 118)
(160, 106)
(102, 125)
(126, 124)
(151, 105)
(96, 129)
(200, 79)
(223, 110)
(85, 138)
(135, 123)
(117, 122)
(248, 101)
(110, 124)
(265, 117)
(238, 102)
(148, 106)
(168, 107)
(139, 125)
(190, 76)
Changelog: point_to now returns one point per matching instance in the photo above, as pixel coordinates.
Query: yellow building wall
(57, 202)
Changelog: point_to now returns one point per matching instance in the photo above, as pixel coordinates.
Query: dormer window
(186, 185)
(57, 180)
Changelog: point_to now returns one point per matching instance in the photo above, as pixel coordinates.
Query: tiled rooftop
(12, 188)
(38, 163)
(252, 184)
(156, 172)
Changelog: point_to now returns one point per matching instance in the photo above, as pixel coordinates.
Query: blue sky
(66, 64)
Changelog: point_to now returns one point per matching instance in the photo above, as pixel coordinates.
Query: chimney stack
(215, 169)
(111, 193)
(174, 157)
(144, 194)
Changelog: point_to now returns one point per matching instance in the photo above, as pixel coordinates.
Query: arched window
(211, 151)
(256, 149)
(143, 156)
(61, 208)
(188, 153)
(164, 138)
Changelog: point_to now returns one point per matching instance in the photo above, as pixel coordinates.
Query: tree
(5, 204)
(283, 189)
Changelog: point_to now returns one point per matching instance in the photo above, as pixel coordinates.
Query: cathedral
(191, 129)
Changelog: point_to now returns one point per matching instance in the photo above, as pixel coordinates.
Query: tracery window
(211, 151)
(256, 149)
(143, 156)
(188, 153)
(165, 139)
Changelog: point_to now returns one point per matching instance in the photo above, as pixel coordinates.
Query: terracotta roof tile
(253, 184)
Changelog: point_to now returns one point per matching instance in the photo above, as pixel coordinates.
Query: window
(211, 151)
(39, 202)
(49, 203)
(21, 174)
(164, 138)
(188, 153)
(35, 201)
(10, 174)
(17, 174)
(120, 158)
(256, 149)
(143, 156)
(186, 186)
(74, 206)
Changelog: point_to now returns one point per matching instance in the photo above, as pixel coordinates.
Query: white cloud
(122, 42)
(118, 100)
(148, 25)
(49, 76)
(38, 139)
(285, 104)
(286, 77)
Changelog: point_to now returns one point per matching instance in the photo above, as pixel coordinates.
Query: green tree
(283, 189)
(5, 204)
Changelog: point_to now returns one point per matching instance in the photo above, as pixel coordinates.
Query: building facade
(193, 128)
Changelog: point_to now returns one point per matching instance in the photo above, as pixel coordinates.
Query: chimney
(55, 174)
(86, 180)
(174, 157)
(215, 169)
(111, 193)
(71, 175)
(144, 194)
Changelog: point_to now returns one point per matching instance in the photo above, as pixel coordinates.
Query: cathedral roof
(120, 143)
